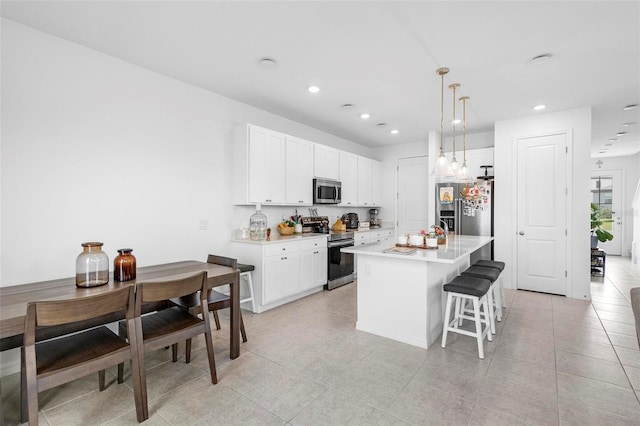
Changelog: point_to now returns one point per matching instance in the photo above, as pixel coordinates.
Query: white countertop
(456, 247)
(277, 238)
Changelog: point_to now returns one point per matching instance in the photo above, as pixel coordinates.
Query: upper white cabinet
(299, 171)
(349, 178)
(365, 187)
(273, 168)
(326, 162)
(258, 166)
(376, 182)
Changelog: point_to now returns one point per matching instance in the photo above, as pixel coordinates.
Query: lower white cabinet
(281, 276)
(284, 271)
(362, 237)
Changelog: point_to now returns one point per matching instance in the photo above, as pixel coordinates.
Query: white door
(542, 206)
(606, 193)
(413, 204)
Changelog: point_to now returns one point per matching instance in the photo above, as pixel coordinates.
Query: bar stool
(500, 266)
(245, 271)
(495, 305)
(461, 289)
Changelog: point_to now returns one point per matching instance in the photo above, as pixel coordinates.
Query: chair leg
(476, 310)
(216, 319)
(30, 390)
(490, 311)
(174, 352)
(120, 373)
(487, 317)
(187, 351)
(24, 408)
(242, 331)
(445, 327)
(101, 380)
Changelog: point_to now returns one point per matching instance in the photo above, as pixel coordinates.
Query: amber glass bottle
(124, 265)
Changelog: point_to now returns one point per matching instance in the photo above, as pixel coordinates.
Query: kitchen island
(400, 296)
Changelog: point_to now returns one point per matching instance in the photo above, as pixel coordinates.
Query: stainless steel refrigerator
(467, 209)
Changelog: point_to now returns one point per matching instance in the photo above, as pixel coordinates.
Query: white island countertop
(457, 247)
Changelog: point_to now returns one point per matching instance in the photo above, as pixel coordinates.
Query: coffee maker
(351, 220)
(374, 221)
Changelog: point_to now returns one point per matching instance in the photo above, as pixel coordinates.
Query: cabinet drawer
(376, 235)
(283, 248)
(361, 236)
(312, 243)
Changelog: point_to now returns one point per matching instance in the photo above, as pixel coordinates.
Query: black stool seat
(491, 274)
(245, 268)
(490, 264)
(472, 286)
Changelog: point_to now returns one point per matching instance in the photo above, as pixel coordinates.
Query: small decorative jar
(431, 240)
(92, 266)
(124, 265)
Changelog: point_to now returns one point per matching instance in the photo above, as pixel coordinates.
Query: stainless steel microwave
(327, 191)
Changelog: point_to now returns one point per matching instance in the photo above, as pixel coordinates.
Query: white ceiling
(379, 56)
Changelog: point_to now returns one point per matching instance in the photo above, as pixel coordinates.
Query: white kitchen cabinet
(365, 186)
(362, 237)
(376, 183)
(258, 166)
(299, 171)
(349, 178)
(281, 275)
(313, 264)
(326, 162)
(285, 270)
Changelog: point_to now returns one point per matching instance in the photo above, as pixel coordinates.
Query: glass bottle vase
(92, 266)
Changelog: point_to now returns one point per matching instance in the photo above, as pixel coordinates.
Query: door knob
(521, 233)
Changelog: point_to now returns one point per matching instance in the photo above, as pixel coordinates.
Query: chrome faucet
(446, 227)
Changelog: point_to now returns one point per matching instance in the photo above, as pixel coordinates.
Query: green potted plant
(598, 233)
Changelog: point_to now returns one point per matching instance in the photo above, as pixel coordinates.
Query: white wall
(579, 121)
(95, 148)
(630, 168)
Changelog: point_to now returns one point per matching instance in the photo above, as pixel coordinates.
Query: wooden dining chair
(169, 326)
(216, 301)
(50, 363)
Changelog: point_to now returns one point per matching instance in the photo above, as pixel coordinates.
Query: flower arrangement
(440, 234)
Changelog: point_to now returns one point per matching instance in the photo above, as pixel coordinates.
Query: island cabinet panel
(376, 182)
(285, 270)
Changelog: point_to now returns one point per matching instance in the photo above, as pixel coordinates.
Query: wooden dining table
(14, 299)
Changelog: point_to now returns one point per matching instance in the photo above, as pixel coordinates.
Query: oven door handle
(334, 244)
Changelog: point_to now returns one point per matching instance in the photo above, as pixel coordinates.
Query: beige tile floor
(553, 361)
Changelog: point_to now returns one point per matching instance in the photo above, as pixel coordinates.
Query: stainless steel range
(340, 265)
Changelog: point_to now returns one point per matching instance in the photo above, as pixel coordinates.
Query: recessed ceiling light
(602, 151)
(394, 131)
(365, 115)
(539, 59)
(381, 124)
(632, 106)
(267, 63)
(607, 144)
(347, 106)
(612, 139)
(539, 107)
(621, 133)
(313, 89)
(629, 123)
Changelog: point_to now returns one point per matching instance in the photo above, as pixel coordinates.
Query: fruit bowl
(286, 230)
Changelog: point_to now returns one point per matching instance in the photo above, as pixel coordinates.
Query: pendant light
(464, 174)
(442, 167)
(454, 163)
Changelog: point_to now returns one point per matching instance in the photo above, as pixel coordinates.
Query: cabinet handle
(300, 201)
(283, 258)
(284, 248)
